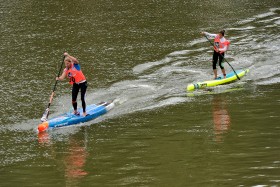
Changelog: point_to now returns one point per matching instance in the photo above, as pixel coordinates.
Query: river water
(142, 54)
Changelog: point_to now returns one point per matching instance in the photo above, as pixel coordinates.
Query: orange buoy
(43, 126)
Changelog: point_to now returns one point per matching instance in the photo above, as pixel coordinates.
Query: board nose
(43, 126)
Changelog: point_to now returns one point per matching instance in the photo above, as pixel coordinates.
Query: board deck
(230, 77)
(66, 119)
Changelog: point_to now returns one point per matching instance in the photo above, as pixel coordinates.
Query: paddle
(223, 57)
(47, 111)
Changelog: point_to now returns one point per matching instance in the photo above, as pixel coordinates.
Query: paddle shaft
(223, 57)
(54, 87)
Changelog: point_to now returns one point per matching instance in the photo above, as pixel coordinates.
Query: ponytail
(222, 32)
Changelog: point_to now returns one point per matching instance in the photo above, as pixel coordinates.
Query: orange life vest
(75, 74)
(220, 44)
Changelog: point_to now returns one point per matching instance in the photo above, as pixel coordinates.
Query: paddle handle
(223, 57)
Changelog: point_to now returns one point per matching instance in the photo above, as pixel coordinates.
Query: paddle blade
(45, 115)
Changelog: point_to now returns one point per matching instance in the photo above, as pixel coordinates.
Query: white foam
(242, 28)
(143, 67)
(264, 15)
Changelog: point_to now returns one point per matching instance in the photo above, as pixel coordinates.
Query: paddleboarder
(221, 45)
(76, 79)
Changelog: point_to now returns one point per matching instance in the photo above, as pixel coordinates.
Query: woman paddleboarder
(76, 79)
(221, 45)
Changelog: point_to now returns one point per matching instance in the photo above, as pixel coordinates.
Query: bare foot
(84, 114)
(77, 113)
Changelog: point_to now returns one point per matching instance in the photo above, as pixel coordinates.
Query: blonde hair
(67, 59)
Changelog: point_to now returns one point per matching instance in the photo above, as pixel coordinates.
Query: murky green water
(143, 54)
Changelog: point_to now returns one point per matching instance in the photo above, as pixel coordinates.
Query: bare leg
(224, 73)
(215, 73)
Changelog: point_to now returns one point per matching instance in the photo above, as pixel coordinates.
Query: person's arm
(61, 77)
(73, 59)
(209, 35)
(225, 48)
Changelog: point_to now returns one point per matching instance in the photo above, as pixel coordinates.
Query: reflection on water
(73, 161)
(44, 138)
(221, 117)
